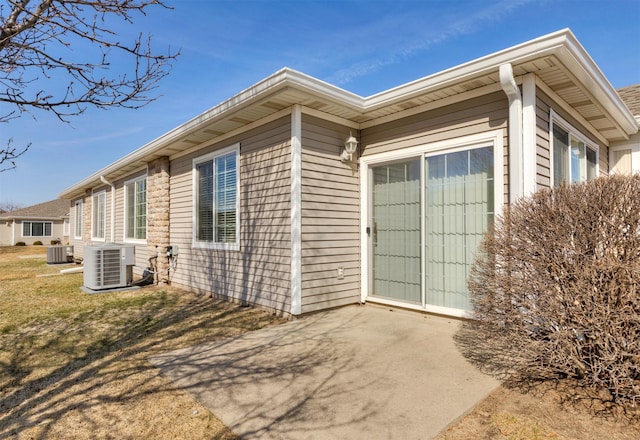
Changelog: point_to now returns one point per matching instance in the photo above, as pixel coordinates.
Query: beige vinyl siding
(543, 158)
(330, 218)
(544, 104)
(478, 115)
(5, 232)
(260, 271)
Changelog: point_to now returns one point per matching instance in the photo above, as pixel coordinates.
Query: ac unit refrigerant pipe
(113, 207)
(510, 88)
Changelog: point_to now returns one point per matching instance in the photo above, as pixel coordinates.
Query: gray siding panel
(330, 218)
(260, 271)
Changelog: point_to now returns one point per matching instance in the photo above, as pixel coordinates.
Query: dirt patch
(546, 411)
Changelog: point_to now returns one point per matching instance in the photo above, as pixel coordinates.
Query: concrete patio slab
(360, 372)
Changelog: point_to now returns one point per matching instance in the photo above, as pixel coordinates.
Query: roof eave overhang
(282, 80)
(562, 44)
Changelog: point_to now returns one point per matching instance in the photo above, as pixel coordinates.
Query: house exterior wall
(633, 144)
(5, 232)
(478, 115)
(330, 218)
(259, 272)
(11, 232)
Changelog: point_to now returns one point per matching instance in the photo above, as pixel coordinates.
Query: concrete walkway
(360, 372)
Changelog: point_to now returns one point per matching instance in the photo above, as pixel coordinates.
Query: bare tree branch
(9, 154)
(37, 39)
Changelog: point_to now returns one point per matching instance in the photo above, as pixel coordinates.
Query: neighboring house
(264, 208)
(43, 222)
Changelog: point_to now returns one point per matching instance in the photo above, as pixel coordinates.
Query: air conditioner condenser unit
(108, 266)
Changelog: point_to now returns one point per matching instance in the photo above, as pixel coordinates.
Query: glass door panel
(459, 208)
(396, 231)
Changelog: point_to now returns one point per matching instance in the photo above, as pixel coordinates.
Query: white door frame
(491, 138)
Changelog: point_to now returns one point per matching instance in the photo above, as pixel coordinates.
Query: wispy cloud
(93, 139)
(464, 23)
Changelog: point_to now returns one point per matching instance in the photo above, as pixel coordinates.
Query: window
(136, 209)
(573, 159)
(78, 219)
(216, 199)
(65, 227)
(36, 229)
(98, 209)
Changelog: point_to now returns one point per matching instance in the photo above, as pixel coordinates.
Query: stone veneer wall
(158, 214)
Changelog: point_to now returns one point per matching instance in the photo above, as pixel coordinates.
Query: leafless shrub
(556, 284)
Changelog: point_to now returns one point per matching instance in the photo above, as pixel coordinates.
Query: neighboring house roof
(631, 97)
(51, 210)
(565, 70)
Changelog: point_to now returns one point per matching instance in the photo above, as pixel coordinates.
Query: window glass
(226, 198)
(205, 201)
(99, 214)
(560, 155)
(36, 229)
(78, 219)
(141, 209)
(573, 160)
(136, 213)
(592, 164)
(217, 199)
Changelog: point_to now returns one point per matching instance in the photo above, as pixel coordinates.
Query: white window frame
(555, 119)
(128, 183)
(195, 243)
(30, 222)
(78, 212)
(99, 197)
(494, 139)
(65, 227)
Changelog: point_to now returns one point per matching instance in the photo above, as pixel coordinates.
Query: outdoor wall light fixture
(350, 146)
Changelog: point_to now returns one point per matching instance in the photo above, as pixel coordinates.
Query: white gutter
(113, 206)
(508, 83)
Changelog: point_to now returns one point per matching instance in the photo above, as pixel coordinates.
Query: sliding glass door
(428, 216)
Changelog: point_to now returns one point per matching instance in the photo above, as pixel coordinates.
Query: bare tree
(37, 48)
(9, 206)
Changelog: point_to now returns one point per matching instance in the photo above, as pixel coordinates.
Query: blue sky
(364, 46)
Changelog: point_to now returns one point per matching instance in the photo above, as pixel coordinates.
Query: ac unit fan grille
(108, 266)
